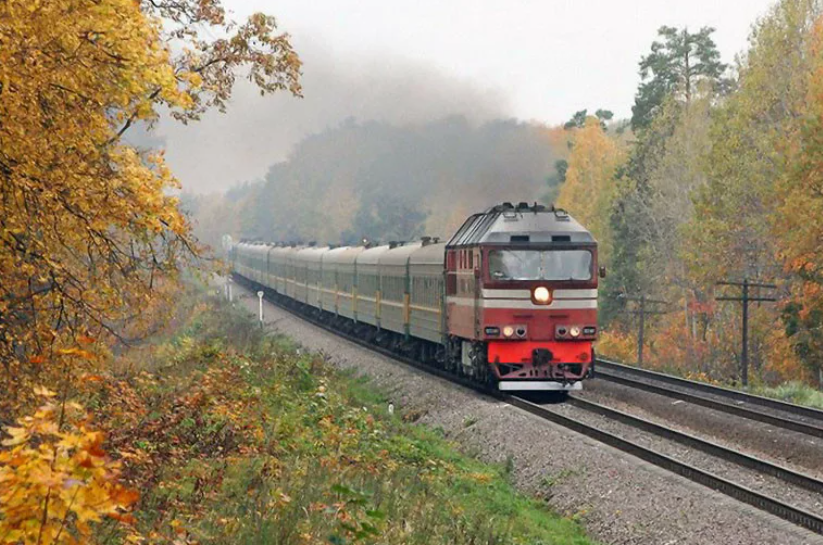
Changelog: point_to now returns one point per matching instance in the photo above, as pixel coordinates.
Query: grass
(235, 437)
(793, 392)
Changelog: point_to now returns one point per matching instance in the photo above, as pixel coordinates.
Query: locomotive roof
(507, 224)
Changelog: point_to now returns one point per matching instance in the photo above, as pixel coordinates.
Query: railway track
(764, 502)
(762, 409)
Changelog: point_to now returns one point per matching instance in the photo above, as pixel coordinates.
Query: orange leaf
(125, 497)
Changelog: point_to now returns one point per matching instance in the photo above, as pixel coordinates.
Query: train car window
(557, 265)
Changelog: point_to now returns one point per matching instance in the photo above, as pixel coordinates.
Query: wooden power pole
(746, 298)
(642, 310)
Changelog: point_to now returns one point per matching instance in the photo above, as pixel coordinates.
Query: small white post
(260, 298)
(228, 283)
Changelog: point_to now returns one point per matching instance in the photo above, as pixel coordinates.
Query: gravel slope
(620, 499)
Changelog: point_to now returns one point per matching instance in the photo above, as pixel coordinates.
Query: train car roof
(344, 255)
(507, 224)
(371, 255)
(256, 248)
(430, 254)
(280, 250)
(292, 251)
(330, 254)
(312, 254)
(399, 256)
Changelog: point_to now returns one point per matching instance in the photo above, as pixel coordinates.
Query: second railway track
(776, 413)
(762, 501)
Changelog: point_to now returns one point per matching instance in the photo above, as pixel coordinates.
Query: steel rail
(807, 520)
(713, 449)
(797, 516)
(737, 410)
(790, 408)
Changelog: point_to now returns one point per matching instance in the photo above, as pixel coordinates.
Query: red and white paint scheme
(521, 297)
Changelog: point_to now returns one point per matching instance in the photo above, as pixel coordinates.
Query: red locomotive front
(521, 294)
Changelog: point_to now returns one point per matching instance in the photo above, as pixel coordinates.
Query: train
(509, 301)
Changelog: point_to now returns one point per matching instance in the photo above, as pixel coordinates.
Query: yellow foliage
(89, 228)
(618, 346)
(55, 480)
(589, 188)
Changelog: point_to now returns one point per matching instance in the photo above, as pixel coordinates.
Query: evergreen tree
(676, 65)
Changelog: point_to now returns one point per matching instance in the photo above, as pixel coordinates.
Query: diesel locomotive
(509, 301)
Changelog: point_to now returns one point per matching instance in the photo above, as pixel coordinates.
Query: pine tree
(676, 65)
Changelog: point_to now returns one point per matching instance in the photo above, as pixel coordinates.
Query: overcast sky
(414, 60)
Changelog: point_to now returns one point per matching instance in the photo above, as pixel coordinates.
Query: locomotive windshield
(555, 265)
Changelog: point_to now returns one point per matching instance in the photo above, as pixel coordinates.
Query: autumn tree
(679, 63)
(798, 218)
(589, 189)
(89, 226)
(681, 78)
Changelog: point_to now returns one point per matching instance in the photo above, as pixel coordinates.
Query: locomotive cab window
(557, 265)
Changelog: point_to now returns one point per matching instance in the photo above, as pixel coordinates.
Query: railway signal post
(745, 298)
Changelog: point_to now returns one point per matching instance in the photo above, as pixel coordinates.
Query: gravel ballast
(795, 450)
(620, 499)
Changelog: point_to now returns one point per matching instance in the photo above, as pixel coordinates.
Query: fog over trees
(257, 132)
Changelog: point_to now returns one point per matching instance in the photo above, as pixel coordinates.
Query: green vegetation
(261, 445)
(793, 392)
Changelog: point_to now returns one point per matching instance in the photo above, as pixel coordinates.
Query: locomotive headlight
(508, 331)
(542, 295)
(574, 331)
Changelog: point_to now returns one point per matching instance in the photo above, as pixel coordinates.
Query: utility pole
(641, 310)
(746, 298)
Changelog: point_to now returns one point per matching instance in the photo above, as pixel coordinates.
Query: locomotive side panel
(461, 293)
